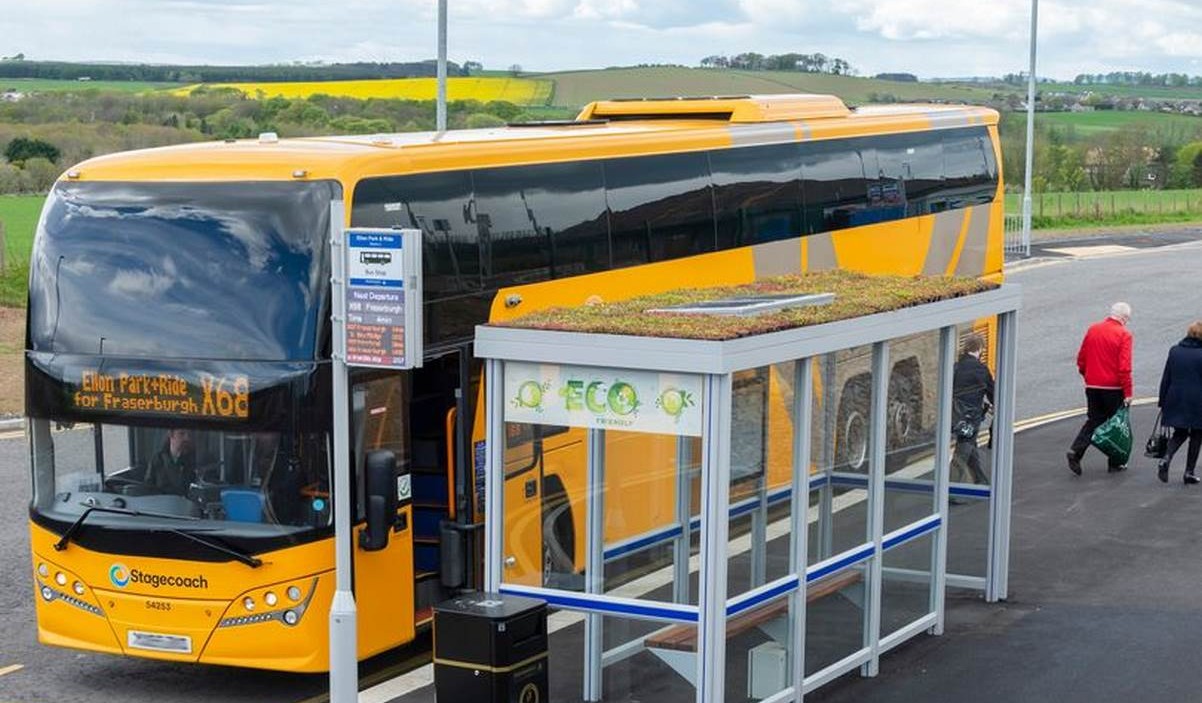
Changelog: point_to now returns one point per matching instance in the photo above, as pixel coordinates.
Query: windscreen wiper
(74, 528)
(249, 560)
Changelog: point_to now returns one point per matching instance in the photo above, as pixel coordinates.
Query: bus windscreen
(181, 270)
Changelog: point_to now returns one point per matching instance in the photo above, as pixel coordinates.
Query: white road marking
(1087, 252)
(12, 668)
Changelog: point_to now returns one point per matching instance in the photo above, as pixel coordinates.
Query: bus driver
(173, 468)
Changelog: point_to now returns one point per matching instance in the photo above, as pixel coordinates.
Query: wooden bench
(683, 638)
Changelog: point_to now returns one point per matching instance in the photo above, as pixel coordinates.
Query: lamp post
(1030, 132)
(441, 108)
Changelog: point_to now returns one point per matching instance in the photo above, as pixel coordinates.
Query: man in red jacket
(1105, 362)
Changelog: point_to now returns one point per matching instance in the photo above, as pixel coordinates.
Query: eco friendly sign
(603, 398)
(383, 298)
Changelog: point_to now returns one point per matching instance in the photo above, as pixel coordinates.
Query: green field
(577, 88)
(1126, 91)
(19, 213)
(1087, 123)
(41, 85)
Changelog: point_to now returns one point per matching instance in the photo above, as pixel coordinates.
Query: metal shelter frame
(715, 363)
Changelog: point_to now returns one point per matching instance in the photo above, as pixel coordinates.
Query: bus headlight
(248, 603)
(294, 593)
(43, 571)
(78, 588)
(60, 578)
(290, 617)
(47, 593)
(270, 599)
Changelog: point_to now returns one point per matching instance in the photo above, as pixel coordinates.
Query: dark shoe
(1162, 471)
(1116, 469)
(1074, 463)
(1190, 478)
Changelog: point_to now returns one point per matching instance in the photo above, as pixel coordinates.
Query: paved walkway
(1104, 602)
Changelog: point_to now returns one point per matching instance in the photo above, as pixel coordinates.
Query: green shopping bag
(1113, 437)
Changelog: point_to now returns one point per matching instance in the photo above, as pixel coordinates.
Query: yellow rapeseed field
(520, 91)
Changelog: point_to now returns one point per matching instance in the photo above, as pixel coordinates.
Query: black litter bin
(490, 648)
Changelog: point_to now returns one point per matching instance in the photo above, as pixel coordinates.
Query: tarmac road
(1063, 293)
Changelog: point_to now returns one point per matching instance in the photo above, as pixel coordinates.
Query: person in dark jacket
(1181, 402)
(1104, 361)
(972, 388)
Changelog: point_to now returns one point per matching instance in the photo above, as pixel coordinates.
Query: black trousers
(1101, 405)
(1180, 434)
(966, 462)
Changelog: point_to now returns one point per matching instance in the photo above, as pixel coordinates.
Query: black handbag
(1158, 444)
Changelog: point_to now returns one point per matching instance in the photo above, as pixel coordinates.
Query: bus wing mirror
(381, 494)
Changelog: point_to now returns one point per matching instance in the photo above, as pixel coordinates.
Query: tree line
(804, 63)
(1139, 78)
(14, 67)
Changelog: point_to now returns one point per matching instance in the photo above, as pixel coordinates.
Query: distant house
(84, 78)
(11, 96)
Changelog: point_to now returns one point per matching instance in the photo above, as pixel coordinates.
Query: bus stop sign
(383, 298)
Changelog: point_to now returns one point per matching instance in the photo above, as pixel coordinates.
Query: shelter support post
(494, 469)
(594, 541)
(998, 567)
(715, 526)
(878, 417)
(942, 473)
(680, 548)
(803, 403)
(826, 507)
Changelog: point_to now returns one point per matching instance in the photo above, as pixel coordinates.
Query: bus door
(434, 412)
(384, 560)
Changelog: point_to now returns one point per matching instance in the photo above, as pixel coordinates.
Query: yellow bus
(177, 362)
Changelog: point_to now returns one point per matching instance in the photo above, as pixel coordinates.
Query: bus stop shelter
(747, 525)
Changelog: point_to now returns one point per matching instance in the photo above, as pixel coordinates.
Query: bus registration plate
(157, 642)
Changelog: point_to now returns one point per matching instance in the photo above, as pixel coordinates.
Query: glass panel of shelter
(648, 494)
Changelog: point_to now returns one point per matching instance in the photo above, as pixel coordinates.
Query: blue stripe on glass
(983, 492)
(853, 558)
(912, 533)
(775, 592)
(642, 543)
(604, 606)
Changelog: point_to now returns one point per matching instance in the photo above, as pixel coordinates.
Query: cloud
(927, 37)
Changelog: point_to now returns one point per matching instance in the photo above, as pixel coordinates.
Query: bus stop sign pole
(375, 289)
(344, 659)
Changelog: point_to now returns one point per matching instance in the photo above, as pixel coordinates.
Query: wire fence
(1108, 204)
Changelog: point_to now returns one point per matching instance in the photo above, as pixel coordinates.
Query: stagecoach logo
(119, 575)
(122, 576)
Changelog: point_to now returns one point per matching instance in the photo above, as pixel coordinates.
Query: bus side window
(660, 207)
(440, 205)
(758, 194)
(834, 184)
(541, 222)
(912, 166)
(969, 167)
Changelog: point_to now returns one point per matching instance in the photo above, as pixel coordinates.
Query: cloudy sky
(926, 37)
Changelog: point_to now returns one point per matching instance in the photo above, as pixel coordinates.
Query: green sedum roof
(856, 295)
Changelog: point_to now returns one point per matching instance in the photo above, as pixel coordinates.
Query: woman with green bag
(1181, 402)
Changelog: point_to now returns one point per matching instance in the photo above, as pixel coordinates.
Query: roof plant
(856, 295)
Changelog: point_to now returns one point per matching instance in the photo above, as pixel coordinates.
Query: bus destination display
(381, 303)
(170, 394)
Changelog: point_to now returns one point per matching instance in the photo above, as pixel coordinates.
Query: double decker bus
(178, 384)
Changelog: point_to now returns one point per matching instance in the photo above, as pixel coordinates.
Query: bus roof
(606, 129)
